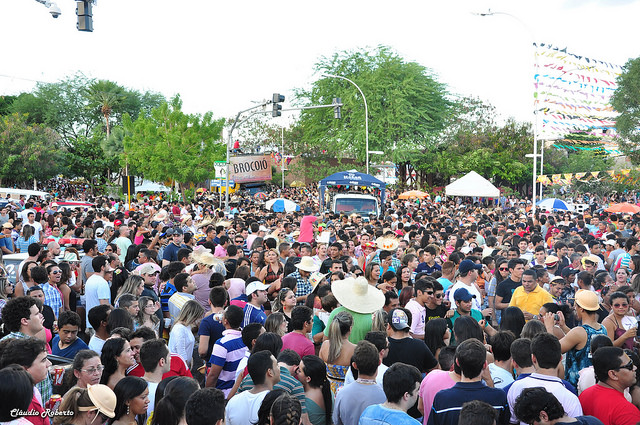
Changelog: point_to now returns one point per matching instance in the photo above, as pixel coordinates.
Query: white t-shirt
(152, 397)
(243, 408)
(38, 228)
(501, 378)
(348, 378)
(96, 344)
(96, 289)
(476, 302)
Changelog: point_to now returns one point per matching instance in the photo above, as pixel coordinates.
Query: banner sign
(250, 168)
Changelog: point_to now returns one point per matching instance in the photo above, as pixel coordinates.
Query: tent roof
(472, 184)
(352, 178)
(149, 186)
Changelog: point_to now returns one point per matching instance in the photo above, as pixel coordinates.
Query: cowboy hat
(161, 216)
(307, 265)
(357, 295)
(207, 221)
(387, 244)
(198, 252)
(315, 279)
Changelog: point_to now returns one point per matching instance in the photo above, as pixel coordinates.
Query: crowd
(168, 313)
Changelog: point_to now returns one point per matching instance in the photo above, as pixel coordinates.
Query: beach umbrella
(553, 204)
(260, 195)
(624, 207)
(413, 194)
(281, 205)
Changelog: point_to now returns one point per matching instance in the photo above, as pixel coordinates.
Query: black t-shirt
(410, 351)
(439, 311)
(505, 289)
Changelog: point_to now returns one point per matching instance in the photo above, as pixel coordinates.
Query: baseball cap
(468, 265)
(117, 223)
(255, 286)
(147, 268)
(610, 242)
(99, 231)
(462, 294)
(567, 271)
(399, 320)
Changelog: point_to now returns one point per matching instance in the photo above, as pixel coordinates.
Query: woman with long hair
(82, 406)
(25, 239)
(621, 327)
(6, 290)
(132, 394)
(276, 323)
(169, 410)
(286, 410)
(337, 351)
(272, 272)
(116, 357)
(372, 273)
(436, 335)
(181, 339)
(403, 276)
(147, 314)
(131, 257)
(87, 369)
(134, 285)
(26, 281)
(512, 320)
(284, 303)
(265, 407)
(255, 259)
(313, 375)
(67, 280)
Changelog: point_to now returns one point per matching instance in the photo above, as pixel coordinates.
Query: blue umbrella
(553, 204)
(282, 205)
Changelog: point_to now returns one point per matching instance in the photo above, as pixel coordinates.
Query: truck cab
(355, 203)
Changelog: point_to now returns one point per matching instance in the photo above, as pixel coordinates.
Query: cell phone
(556, 317)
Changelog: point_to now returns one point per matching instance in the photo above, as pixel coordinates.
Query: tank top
(579, 359)
(271, 275)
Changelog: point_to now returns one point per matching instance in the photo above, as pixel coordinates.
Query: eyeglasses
(621, 305)
(93, 370)
(628, 366)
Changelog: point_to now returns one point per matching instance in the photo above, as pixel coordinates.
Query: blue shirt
(448, 403)
(70, 351)
(168, 290)
(52, 298)
(252, 314)
(377, 414)
(7, 242)
(213, 329)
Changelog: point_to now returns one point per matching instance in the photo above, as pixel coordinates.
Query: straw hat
(586, 299)
(207, 221)
(70, 257)
(357, 295)
(315, 279)
(103, 398)
(198, 252)
(161, 216)
(307, 265)
(387, 244)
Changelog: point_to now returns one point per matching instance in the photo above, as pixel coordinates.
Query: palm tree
(106, 96)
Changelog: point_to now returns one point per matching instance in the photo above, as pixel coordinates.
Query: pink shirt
(220, 251)
(298, 343)
(306, 228)
(432, 383)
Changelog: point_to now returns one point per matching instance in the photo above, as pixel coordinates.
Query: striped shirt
(227, 353)
(253, 314)
(287, 383)
(52, 298)
(168, 290)
(176, 302)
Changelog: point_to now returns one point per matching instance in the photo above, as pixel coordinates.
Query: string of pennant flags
(618, 176)
(573, 91)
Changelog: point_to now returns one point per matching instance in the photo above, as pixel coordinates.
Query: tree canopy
(626, 101)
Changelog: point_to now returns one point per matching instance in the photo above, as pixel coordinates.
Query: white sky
(222, 55)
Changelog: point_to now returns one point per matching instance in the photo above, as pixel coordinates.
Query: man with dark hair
(434, 308)
(97, 289)
(429, 265)
(98, 316)
(31, 353)
(468, 275)
(301, 322)
(256, 299)
(391, 301)
(529, 296)
(539, 405)
(615, 373)
(264, 371)
(423, 290)
(66, 343)
(205, 407)
(185, 287)
(403, 348)
(471, 357)
(156, 361)
(210, 329)
(477, 412)
(90, 248)
(227, 352)
(501, 368)
(505, 289)
(34, 252)
(546, 356)
(400, 385)
(352, 399)
(22, 318)
(177, 366)
(129, 302)
(379, 339)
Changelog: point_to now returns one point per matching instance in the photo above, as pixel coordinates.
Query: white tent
(472, 184)
(149, 186)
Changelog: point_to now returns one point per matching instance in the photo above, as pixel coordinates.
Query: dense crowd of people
(441, 313)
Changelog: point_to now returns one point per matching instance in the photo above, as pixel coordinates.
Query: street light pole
(366, 115)
(535, 112)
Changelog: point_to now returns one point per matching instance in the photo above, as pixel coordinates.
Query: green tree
(626, 101)
(105, 96)
(28, 151)
(170, 144)
(406, 106)
(85, 159)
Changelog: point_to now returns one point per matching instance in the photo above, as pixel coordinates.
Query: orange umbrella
(623, 207)
(413, 194)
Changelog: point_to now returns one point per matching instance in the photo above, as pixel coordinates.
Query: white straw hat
(357, 295)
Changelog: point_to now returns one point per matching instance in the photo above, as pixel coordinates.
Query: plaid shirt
(303, 287)
(45, 387)
(52, 298)
(395, 263)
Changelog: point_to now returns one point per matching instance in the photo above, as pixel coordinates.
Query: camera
(55, 10)
(556, 317)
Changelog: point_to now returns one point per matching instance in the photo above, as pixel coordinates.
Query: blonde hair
(130, 286)
(339, 327)
(191, 312)
(72, 401)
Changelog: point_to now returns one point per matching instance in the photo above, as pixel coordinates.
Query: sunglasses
(628, 366)
(503, 269)
(56, 272)
(621, 305)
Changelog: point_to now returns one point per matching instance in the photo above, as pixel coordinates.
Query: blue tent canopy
(352, 178)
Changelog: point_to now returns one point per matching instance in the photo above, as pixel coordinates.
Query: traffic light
(85, 15)
(337, 111)
(277, 99)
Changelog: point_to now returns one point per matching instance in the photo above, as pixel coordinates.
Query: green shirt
(362, 324)
(476, 314)
(287, 383)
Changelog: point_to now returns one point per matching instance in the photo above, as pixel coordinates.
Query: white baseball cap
(255, 286)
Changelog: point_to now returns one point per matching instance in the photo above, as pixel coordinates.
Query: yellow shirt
(532, 301)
